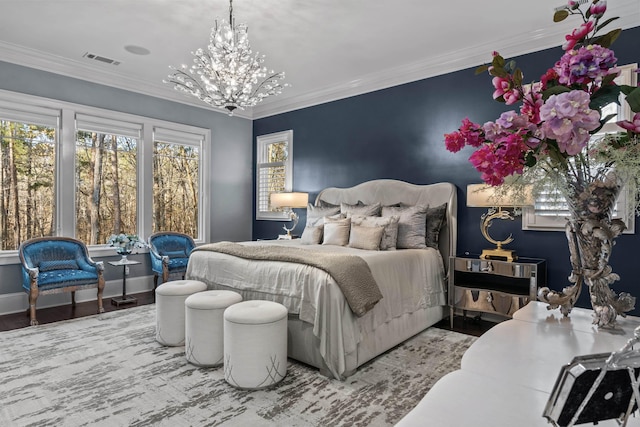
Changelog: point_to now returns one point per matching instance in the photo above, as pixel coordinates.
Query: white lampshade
(484, 196)
(289, 200)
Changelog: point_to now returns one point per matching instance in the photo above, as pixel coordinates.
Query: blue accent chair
(169, 252)
(58, 264)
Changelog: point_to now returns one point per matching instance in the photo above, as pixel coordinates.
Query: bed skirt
(303, 346)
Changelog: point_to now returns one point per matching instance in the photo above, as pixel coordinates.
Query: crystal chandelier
(227, 75)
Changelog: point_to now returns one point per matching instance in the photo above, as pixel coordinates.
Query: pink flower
(632, 126)
(598, 9)
(469, 134)
(502, 85)
(512, 96)
(505, 90)
(578, 34)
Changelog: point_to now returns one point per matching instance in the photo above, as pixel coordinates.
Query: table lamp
(498, 203)
(288, 201)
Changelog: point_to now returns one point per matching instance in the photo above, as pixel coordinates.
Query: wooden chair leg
(73, 299)
(32, 308)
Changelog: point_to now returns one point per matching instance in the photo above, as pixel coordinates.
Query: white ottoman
(170, 298)
(255, 344)
(204, 315)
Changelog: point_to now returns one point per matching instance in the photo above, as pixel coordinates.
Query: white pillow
(336, 231)
(367, 238)
(390, 224)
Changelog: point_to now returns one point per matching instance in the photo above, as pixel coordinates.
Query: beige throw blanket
(351, 273)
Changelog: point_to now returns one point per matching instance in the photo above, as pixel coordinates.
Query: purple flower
(585, 65)
(568, 119)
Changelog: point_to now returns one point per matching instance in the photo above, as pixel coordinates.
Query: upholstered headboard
(390, 192)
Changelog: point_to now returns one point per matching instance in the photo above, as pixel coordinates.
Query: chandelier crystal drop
(227, 74)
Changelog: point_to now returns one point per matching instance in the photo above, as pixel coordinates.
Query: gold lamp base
(499, 254)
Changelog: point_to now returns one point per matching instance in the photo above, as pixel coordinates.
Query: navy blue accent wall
(398, 133)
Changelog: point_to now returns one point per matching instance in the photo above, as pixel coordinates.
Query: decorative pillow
(390, 224)
(336, 231)
(312, 235)
(367, 238)
(316, 214)
(63, 264)
(435, 220)
(411, 226)
(175, 254)
(361, 209)
(323, 204)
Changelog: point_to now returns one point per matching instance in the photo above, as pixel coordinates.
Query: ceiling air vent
(101, 58)
(562, 6)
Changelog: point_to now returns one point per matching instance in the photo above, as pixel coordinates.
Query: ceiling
(328, 49)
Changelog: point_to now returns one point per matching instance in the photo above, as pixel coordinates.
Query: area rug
(109, 370)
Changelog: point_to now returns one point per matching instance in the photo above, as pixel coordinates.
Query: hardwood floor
(66, 312)
(475, 326)
(469, 325)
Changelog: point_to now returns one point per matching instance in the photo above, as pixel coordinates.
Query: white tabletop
(531, 353)
(507, 375)
(121, 262)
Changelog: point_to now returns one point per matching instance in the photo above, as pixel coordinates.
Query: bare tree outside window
(106, 186)
(27, 181)
(176, 187)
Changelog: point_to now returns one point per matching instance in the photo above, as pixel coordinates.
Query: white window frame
(65, 220)
(262, 142)
(533, 222)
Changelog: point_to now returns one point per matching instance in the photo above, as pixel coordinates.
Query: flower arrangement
(549, 141)
(555, 141)
(124, 243)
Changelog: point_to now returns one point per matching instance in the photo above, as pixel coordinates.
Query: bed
(323, 330)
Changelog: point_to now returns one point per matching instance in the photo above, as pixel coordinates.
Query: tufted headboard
(390, 192)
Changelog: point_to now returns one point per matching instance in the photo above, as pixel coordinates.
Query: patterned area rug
(108, 370)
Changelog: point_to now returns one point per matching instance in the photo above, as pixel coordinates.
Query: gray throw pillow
(360, 209)
(436, 218)
(367, 238)
(336, 231)
(390, 224)
(316, 214)
(411, 226)
(312, 235)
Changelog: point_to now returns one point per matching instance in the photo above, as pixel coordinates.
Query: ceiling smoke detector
(99, 58)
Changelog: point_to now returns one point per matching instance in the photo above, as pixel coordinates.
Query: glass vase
(591, 235)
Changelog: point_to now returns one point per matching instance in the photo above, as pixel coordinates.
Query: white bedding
(409, 279)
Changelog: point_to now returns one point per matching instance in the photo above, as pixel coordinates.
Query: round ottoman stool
(170, 298)
(204, 313)
(255, 344)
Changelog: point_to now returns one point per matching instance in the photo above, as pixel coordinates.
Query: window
(550, 212)
(106, 178)
(73, 170)
(274, 171)
(176, 183)
(27, 179)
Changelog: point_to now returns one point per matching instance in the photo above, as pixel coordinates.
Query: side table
(493, 286)
(124, 299)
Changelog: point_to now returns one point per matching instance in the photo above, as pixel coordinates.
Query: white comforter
(409, 279)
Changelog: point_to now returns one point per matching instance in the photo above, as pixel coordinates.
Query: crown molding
(470, 56)
(39, 60)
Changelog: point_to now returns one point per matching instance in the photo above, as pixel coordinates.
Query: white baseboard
(18, 302)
